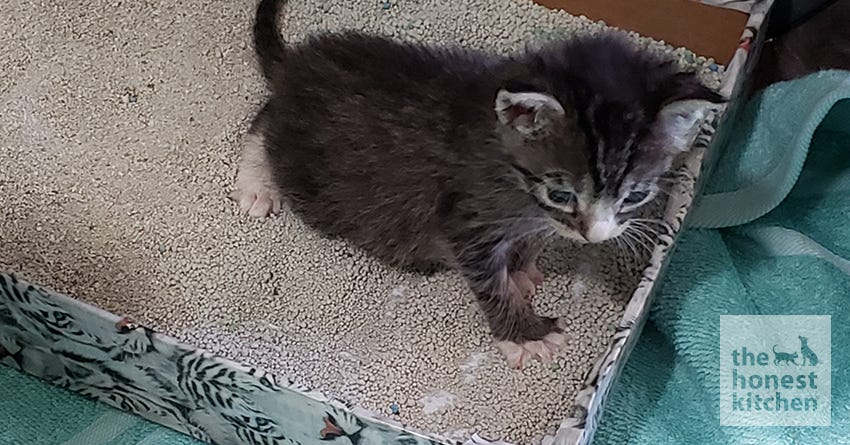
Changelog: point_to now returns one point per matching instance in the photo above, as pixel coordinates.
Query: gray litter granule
(120, 128)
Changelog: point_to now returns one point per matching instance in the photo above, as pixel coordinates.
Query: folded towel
(34, 412)
(769, 236)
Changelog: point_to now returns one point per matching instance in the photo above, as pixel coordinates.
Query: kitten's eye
(561, 197)
(636, 197)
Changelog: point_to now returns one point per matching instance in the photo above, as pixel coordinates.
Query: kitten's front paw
(521, 286)
(523, 283)
(519, 354)
(534, 273)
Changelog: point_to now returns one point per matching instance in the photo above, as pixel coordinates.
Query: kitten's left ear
(688, 103)
(677, 124)
(527, 112)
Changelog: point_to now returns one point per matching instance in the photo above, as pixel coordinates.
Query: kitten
(429, 156)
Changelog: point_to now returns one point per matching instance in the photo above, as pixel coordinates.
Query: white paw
(257, 204)
(256, 192)
(521, 285)
(518, 355)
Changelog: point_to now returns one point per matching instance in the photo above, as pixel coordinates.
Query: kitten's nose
(598, 231)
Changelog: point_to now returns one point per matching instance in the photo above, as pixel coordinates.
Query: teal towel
(33, 412)
(769, 236)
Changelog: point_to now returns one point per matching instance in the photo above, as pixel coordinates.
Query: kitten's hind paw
(257, 204)
(519, 354)
(256, 192)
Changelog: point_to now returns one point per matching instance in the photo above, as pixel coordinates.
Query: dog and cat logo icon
(788, 358)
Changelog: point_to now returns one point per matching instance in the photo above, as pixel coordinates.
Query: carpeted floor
(37, 413)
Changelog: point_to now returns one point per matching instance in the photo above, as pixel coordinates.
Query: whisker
(648, 239)
(627, 241)
(644, 226)
(649, 221)
(673, 175)
(638, 259)
(636, 242)
(621, 250)
(634, 236)
(671, 180)
(661, 228)
(619, 246)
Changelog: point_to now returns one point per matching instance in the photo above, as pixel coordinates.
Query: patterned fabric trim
(110, 359)
(130, 367)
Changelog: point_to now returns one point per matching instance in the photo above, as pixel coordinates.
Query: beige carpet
(120, 127)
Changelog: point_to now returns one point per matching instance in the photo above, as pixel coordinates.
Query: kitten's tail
(268, 43)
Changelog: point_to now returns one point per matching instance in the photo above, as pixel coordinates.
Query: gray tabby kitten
(429, 156)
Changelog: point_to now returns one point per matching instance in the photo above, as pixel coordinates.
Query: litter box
(239, 331)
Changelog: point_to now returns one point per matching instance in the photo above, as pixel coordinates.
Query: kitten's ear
(688, 102)
(677, 124)
(527, 112)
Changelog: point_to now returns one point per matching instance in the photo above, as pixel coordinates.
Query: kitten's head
(596, 129)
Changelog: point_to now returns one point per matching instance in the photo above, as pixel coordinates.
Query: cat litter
(123, 203)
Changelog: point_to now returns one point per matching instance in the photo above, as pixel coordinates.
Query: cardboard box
(709, 31)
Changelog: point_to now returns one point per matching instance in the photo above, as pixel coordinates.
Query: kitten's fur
(425, 156)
